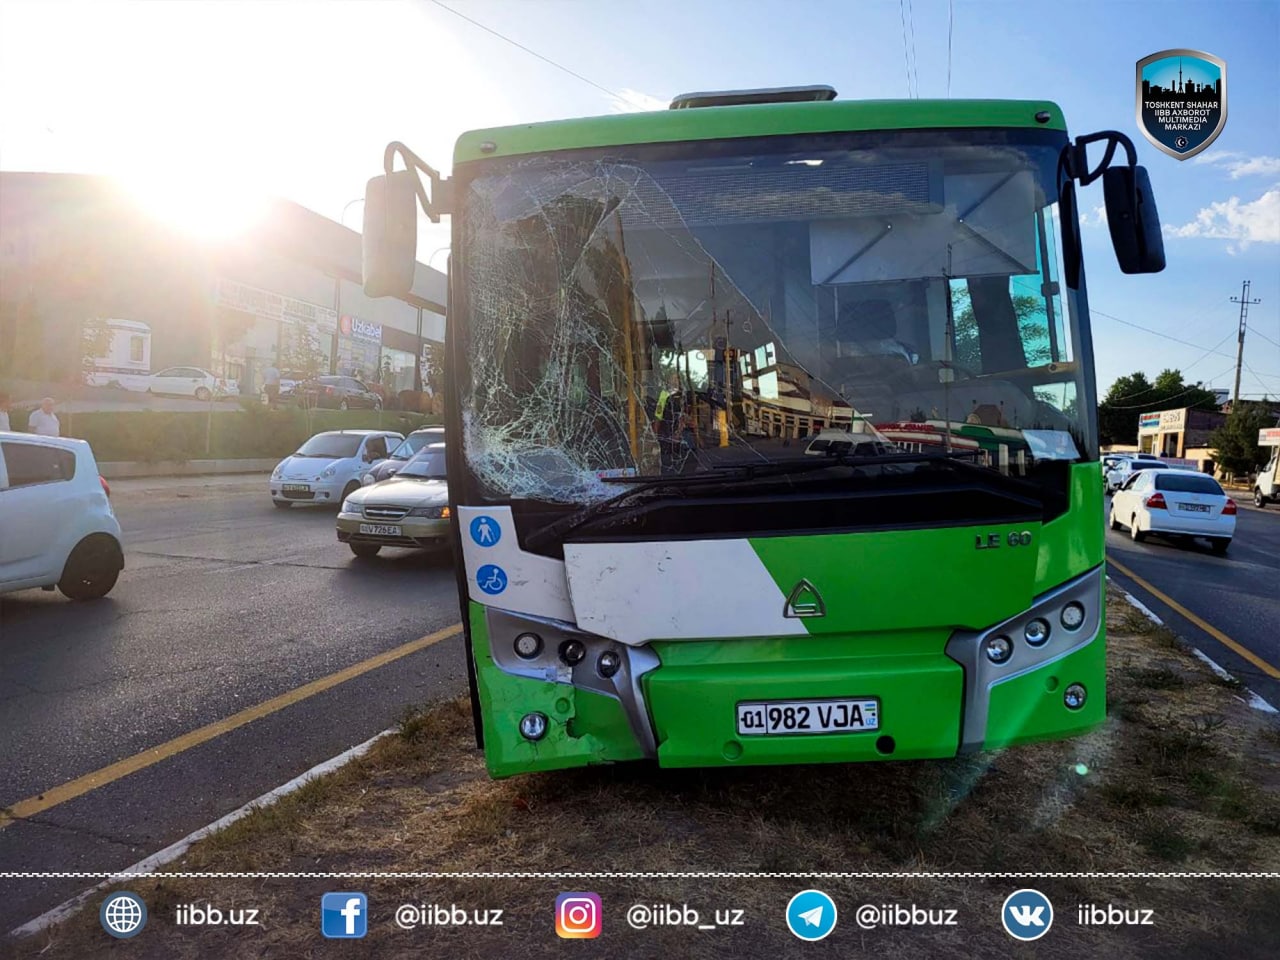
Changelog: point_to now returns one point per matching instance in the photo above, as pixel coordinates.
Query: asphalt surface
(1238, 593)
(225, 602)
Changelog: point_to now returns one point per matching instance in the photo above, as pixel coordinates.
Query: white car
(1175, 503)
(189, 382)
(327, 468)
(57, 527)
(1119, 475)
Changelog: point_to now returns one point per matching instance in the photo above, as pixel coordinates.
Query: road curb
(124, 470)
(1255, 701)
(175, 850)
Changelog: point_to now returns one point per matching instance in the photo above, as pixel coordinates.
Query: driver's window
(1133, 482)
(376, 448)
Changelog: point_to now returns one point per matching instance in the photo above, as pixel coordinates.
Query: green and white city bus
(652, 315)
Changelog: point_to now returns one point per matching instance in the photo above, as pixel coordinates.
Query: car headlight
(433, 513)
(367, 480)
(328, 472)
(350, 506)
(278, 472)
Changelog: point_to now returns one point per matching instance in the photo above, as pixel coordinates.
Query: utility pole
(1244, 302)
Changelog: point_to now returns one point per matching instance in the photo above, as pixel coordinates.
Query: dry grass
(1183, 777)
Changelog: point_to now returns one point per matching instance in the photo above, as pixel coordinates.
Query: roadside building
(1180, 435)
(85, 271)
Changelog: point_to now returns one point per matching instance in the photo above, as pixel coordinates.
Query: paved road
(225, 602)
(1239, 593)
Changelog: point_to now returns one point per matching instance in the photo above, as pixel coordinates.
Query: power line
(915, 61)
(1258, 333)
(1139, 406)
(1161, 333)
(906, 57)
(533, 53)
(1139, 393)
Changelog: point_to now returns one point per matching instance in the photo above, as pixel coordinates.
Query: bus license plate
(380, 529)
(808, 716)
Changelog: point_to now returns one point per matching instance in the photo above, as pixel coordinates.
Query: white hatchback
(1175, 503)
(56, 517)
(327, 468)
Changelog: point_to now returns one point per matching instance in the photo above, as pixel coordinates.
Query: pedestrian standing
(4, 411)
(271, 384)
(44, 421)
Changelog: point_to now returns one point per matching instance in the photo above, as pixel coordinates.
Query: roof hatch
(733, 98)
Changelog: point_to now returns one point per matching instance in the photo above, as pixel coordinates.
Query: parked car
(289, 380)
(1122, 471)
(340, 393)
(409, 447)
(841, 443)
(409, 510)
(327, 467)
(1176, 503)
(189, 382)
(56, 517)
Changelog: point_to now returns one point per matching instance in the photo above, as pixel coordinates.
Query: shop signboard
(274, 306)
(1269, 437)
(358, 329)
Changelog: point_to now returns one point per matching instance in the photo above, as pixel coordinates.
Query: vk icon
(811, 915)
(344, 916)
(485, 531)
(1027, 914)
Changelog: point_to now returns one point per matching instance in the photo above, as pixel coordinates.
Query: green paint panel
(1074, 542)
(593, 728)
(896, 579)
(694, 695)
(713, 123)
(1029, 708)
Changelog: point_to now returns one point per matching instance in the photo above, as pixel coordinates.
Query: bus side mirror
(389, 244)
(1133, 220)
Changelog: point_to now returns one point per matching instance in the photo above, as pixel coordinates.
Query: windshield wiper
(734, 473)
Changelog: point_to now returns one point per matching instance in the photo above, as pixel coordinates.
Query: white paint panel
(675, 590)
(531, 583)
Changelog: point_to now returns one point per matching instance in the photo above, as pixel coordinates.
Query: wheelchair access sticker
(492, 579)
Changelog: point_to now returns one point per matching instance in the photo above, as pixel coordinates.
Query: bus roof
(753, 120)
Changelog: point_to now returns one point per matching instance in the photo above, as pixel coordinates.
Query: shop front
(359, 349)
(256, 328)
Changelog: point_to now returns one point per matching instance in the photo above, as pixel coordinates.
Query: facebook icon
(344, 916)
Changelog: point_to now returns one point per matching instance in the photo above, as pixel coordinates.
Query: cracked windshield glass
(859, 296)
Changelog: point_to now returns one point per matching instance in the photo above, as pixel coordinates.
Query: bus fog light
(528, 646)
(1037, 632)
(533, 726)
(1073, 615)
(998, 649)
(608, 664)
(1075, 696)
(572, 652)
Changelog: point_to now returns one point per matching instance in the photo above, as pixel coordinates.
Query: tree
(1235, 443)
(95, 342)
(1134, 394)
(1032, 326)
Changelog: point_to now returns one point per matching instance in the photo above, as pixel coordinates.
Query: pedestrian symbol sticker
(492, 579)
(485, 531)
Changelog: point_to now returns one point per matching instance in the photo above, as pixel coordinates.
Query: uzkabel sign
(358, 329)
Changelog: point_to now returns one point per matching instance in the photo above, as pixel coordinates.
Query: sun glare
(204, 207)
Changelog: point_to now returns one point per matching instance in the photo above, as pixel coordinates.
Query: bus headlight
(533, 726)
(1074, 696)
(1073, 615)
(998, 648)
(528, 646)
(572, 652)
(608, 664)
(1037, 632)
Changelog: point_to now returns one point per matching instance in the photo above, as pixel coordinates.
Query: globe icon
(123, 915)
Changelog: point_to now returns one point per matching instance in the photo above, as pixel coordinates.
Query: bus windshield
(672, 308)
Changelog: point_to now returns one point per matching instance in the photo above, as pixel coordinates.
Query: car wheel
(1259, 500)
(281, 504)
(92, 569)
(203, 394)
(348, 490)
(365, 550)
(343, 405)
(1137, 535)
(1115, 524)
(1220, 544)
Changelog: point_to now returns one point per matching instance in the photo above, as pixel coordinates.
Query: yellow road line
(140, 761)
(1204, 625)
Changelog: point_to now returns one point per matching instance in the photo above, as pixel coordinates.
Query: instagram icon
(578, 916)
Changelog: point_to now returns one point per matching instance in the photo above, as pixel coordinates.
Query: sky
(205, 108)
